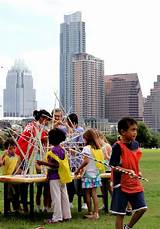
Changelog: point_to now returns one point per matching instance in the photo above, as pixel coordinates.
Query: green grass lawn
(150, 168)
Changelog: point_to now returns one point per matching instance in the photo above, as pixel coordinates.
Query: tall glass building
(19, 99)
(72, 41)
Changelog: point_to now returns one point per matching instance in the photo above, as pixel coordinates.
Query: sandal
(93, 216)
(88, 215)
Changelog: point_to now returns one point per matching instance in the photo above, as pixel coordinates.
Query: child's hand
(72, 151)
(132, 173)
(76, 172)
(140, 174)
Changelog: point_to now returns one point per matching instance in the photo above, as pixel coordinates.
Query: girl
(91, 179)
(58, 175)
(107, 150)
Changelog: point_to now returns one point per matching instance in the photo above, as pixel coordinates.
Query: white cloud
(123, 33)
(45, 70)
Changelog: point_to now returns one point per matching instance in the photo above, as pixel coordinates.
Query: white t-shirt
(91, 168)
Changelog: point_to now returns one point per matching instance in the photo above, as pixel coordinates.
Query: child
(107, 150)
(106, 147)
(75, 156)
(91, 179)
(9, 162)
(58, 174)
(127, 188)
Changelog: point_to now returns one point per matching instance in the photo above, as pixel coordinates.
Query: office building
(88, 86)
(123, 97)
(19, 98)
(72, 41)
(152, 107)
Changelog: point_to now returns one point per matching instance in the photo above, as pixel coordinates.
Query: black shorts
(120, 200)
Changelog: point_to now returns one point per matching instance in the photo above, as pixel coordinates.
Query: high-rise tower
(123, 97)
(72, 41)
(19, 98)
(152, 107)
(88, 86)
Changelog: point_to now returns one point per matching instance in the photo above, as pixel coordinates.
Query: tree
(144, 135)
(155, 140)
(111, 138)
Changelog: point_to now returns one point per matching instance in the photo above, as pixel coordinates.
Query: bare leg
(136, 216)
(88, 199)
(95, 200)
(119, 221)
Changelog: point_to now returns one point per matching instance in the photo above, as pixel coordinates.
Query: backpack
(98, 156)
(63, 169)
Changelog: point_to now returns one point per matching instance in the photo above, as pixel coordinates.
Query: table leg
(79, 194)
(105, 184)
(31, 190)
(5, 199)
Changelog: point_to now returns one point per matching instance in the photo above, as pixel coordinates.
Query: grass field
(150, 167)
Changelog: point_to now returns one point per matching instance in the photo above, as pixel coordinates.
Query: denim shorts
(120, 200)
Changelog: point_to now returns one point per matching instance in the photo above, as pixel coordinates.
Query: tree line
(146, 137)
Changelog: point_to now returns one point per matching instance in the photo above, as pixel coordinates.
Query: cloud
(38, 7)
(45, 71)
(123, 33)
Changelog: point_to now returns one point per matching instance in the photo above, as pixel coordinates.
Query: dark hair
(9, 142)
(41, 113)
(91, 138)
(125, 123)
(72, 119)
(56, 136)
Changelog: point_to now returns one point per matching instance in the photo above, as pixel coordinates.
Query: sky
(124, 33)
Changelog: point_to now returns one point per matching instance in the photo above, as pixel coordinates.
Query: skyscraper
(88, 86)
(72, 41)
(19, 98)
(152, 107)
(123, 97)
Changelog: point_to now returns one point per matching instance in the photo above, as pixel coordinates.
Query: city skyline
(122, 33)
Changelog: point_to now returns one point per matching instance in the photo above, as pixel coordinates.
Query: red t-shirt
(28, 138)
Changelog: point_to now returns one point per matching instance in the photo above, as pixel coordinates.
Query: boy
(127, 188)
(9, 162)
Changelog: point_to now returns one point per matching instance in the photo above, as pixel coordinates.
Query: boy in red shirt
(127, 188)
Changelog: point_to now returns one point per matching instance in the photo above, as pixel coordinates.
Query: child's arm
(108, 151)
(52, 163)
(2, 161)
(84, 163)
(38, 167)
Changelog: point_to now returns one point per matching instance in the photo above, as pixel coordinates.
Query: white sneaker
(84, 206)
(39, 209)
(126, 227)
